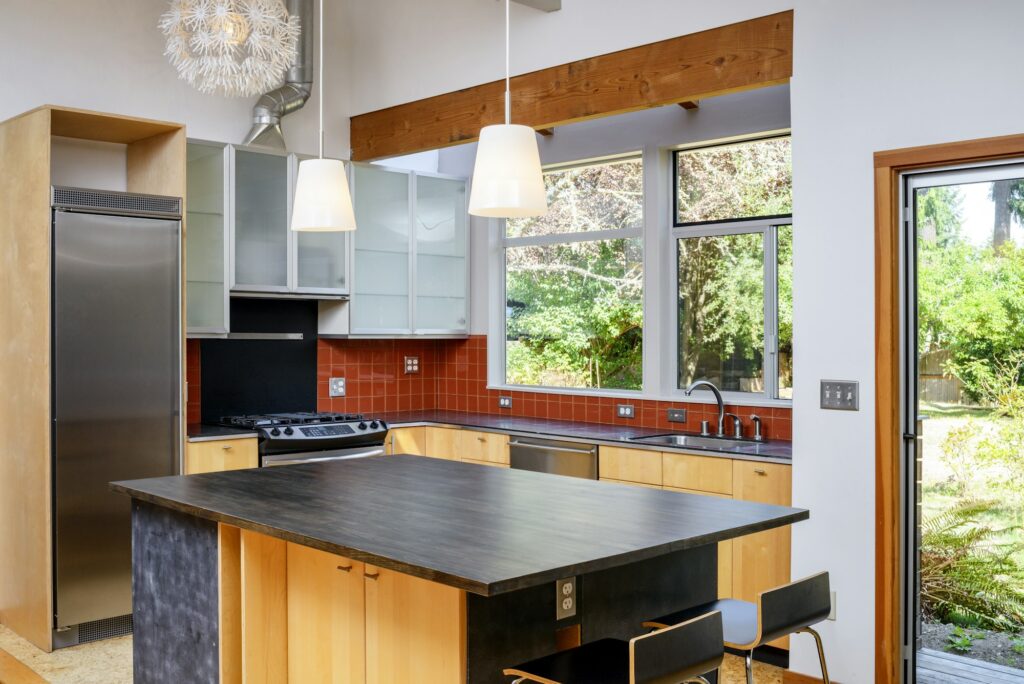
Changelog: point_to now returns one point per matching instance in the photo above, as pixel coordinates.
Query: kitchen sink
(721, 444)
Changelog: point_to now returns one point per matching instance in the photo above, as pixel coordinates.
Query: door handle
(760, 471)
(227, 447)
(371, 575)
(543, 447)
(345, 568)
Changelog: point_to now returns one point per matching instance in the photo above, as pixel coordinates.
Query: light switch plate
(337, 387)
(565, 598)
(505, 402)
(840, 395)
(625, 411)
(412, 364)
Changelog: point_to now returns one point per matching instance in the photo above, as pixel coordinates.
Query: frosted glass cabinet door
(381, 264)
(261, 221)
(205, 238)
(440, 221)
(321, 259)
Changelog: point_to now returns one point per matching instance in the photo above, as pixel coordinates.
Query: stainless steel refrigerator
(116, 391)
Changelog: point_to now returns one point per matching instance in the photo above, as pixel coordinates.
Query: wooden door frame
(888, 166)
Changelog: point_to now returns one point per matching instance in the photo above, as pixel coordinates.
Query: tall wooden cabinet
(154, 162)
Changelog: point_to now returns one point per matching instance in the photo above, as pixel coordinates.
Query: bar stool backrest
(676, 653)
(790, 608)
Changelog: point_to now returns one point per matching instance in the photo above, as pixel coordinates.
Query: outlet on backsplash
(505, 402)
(412, 364)
(625, 411)
(676, 415)
(337, 387)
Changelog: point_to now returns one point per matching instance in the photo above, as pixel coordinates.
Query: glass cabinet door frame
(412, 258)
(289, 239)
(293, 246)
(228, 237)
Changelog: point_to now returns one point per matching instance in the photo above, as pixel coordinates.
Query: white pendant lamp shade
(322, 199)
(507, 178)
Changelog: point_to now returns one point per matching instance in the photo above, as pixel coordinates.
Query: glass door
(441, 263)
(321, 259)
(261, 212)
(964, 424)
(206, 225)
(382, 264)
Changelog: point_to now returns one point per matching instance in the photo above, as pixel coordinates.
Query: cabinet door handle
(482, 439)
(345, 568)
(227, 447)
(371, 575)
(760, 471)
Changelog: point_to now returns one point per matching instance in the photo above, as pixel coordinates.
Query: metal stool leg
(749, 662)
(821, 653)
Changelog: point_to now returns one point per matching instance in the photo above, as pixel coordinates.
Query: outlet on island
(565, 598)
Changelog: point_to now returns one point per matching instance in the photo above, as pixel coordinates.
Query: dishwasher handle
(545, 447)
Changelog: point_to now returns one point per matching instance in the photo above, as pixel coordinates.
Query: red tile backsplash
(453, 377)
(193, 377)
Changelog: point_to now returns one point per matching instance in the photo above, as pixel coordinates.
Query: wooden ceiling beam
(546, 132)
(750, 54)
(689, 105)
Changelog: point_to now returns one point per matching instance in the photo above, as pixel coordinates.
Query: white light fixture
(237, 48)
(322, 200)
(507, 178)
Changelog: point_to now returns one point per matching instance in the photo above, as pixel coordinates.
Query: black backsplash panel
(261, 376)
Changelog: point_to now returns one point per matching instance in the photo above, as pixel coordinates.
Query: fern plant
(967, 578)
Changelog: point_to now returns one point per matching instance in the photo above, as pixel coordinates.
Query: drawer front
(467, 445)
(411, 440)
(218, 455)
(763, 482)
(699, 473)
(633, 484)
(631, 465)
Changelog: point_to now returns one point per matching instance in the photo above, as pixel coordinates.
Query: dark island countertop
(777, 451)
(482, 529)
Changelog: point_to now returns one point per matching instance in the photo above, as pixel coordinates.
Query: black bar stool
(788, 609)
(671, 655)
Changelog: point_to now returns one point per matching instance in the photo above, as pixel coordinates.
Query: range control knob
(374, 425)
(288, 431)
(275, 432)
(361, 426)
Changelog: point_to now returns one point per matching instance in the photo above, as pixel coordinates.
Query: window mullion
(771, 312)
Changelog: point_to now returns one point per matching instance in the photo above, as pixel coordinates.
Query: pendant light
(507, 178)
(322, 200)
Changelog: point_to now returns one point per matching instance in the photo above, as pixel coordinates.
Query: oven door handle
(379, 451)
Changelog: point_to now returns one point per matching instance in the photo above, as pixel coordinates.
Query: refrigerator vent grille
(107, 628)
(79, 198)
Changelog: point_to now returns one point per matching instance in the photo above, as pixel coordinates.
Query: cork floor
(110, 662)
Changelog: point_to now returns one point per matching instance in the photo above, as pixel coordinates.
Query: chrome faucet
(718, 397)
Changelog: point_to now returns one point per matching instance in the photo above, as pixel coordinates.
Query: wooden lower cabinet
(631, 465)
(762, 560)
(698, 473)
(297, 615)
(486, 463)
(221, 454)
(468, 445)
(410, 440)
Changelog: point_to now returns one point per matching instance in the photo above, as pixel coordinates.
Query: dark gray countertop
(201, 432)
(620, 435)
(482, 529)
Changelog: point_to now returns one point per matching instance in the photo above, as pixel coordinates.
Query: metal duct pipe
(298, 84)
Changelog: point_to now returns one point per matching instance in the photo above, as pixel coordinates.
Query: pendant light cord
(508, 79)
(322, 79)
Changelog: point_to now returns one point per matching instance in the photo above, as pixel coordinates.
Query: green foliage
(960, 640)
(1017, 646)
(966, 579)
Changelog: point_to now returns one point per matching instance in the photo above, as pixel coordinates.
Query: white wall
(868, 75)
(107, 55)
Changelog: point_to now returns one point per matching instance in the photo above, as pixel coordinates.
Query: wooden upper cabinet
(410, 440)
(222, 454)
(631, 465)
(468, 445)
(699, 473)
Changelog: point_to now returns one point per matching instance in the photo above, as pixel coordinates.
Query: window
(734, 255)
(574, 281)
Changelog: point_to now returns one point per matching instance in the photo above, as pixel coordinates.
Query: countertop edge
(486, 589)
(220, 438)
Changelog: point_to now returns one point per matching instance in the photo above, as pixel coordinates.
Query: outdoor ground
(980, 644)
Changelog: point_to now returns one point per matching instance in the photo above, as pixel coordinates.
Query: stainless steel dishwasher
(550, 456)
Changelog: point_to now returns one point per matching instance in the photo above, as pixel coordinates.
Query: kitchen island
(402, 568)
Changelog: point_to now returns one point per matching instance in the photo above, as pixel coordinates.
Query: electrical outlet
(624, 411)
(677, 415)
(337, 387)
(505, 402)
(412, 364)
(832, 611)
(840, 395)
(565, 598)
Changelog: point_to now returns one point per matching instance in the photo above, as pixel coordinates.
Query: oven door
(320, 456)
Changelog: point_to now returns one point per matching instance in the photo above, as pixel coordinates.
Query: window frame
(497, 358)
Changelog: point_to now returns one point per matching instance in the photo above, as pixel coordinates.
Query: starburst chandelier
(237, 48)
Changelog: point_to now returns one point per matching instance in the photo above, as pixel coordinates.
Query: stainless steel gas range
(290, 438)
